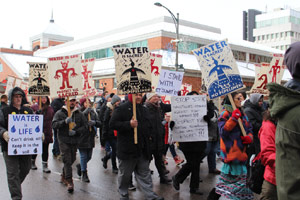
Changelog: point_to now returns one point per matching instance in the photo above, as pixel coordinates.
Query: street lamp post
(176, 22)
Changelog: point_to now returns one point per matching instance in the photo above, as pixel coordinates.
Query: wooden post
(89, 115)
(134, 117)
(40, 102)
(239, 120)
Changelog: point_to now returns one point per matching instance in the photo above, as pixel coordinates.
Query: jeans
(172, 150)
(55, 149)
(85, 157)
(210, 151)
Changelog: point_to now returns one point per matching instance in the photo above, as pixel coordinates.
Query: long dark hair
(45, 105)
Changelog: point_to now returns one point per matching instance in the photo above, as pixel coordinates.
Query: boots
(213, 195)
(78, 167)
(33, 166)
(62, 179)
(178, 160)
(70, 185)
(85, 177)
(45, 167)
(104, 160)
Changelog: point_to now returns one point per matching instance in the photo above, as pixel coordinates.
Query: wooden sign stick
(134, 117)
(239, 120)
(40, 102)
(89, 115)
(71, 125)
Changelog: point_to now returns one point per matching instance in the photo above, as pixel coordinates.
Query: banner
(133, 70)
(25, 134)
(261, 79)
(65, 76)
(169, 82)
(276, 70)
(185, 88)
(187, 113)
(38, 79)
(87, 67)
(219, 69)
(156, 61)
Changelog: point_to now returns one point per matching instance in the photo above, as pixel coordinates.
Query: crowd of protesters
(244, 127)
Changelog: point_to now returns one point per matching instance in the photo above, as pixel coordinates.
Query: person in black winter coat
(193, 152)
(254, 111)
(56, 104)
(87, 139)
(133, 157)
(157, 134)
(69, 138)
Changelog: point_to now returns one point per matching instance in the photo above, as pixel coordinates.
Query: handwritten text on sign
(188, 112)
(169, 82)
(25, 133)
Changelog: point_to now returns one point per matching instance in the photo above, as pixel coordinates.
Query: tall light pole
(176, 22)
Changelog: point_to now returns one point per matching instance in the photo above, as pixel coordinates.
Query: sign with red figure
(87, 67)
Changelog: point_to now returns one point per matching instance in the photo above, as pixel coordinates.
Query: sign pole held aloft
(89, 115)
(239, 120)
(134, 117)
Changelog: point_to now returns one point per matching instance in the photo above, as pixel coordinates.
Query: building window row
(275, 36)
(278, 21)
(282, 47)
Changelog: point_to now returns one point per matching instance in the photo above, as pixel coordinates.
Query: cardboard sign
(261, 79)
(155, 60)
(15, 82)
(188, 112)
(276, 70)
(87, 67)
(25, 134)
(38, 79)
(133, 70)
(65, 76)
(219, 69)
(185, 88)
(169, 82)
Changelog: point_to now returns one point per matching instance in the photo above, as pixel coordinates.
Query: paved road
(103, 185)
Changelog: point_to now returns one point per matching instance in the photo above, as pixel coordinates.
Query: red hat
(82, 100)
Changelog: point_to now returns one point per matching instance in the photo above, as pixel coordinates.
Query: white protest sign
(88, 82)
(187, 113)
(25, 134)
(219, 69)
(276, 70)
(38, 79)
(261, 79)
(169, 82)
(155, 60)
(133, 70)
(185, 88)
(65, 76)
(9, 84)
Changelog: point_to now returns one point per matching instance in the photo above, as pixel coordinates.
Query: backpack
(256, 176)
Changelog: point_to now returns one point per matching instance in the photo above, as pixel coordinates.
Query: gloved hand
(246, 139)
(236, 114)
(43, 137)
(5, 136)
(205, 118)
(172, 124)
(87, 111)
(72, 132)
(92, 123)
(68, 120)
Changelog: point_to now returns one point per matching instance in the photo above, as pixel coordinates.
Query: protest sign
(15, 82)
(87, 67)
(169, 82)
(187, 113)
(65, 76)
(261, 79)
(25, 133)
(166, 99)
(276, 70)
(185, 88)
(133, 70)
(219, 69)
(38, 79)
(155, 60)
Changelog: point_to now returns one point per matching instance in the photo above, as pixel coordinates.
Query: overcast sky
(21, 19)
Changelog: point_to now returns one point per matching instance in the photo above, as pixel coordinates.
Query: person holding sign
(232, 182)
(18, 166)
(133, 157)
(68, 138)
(87, 139)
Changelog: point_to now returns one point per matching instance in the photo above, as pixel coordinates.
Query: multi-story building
(278, 29)
(249, 24)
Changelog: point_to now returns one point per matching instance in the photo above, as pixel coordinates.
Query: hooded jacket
(11, 110)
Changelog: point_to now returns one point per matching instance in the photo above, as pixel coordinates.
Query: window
(263, 37)
(272, 36)
(277, 35)
(282, 34)
(267, 36)
(96, 83)
(115, 83)
(1, 67)
(292, 34)
(258, 37)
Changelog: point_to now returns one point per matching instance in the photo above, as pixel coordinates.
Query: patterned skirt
(233, 187)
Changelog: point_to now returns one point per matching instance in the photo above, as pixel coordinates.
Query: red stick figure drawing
(86, 77)
(156, 73)
(65, 74)
(184, 91)
(265, 81)
(276, 70)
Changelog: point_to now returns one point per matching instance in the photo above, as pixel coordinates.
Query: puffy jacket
(108, 132)
(268, 150)
(63, 128)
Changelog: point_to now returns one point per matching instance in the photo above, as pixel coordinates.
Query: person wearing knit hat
(285, 106)
(115, 99)
(150, 95)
